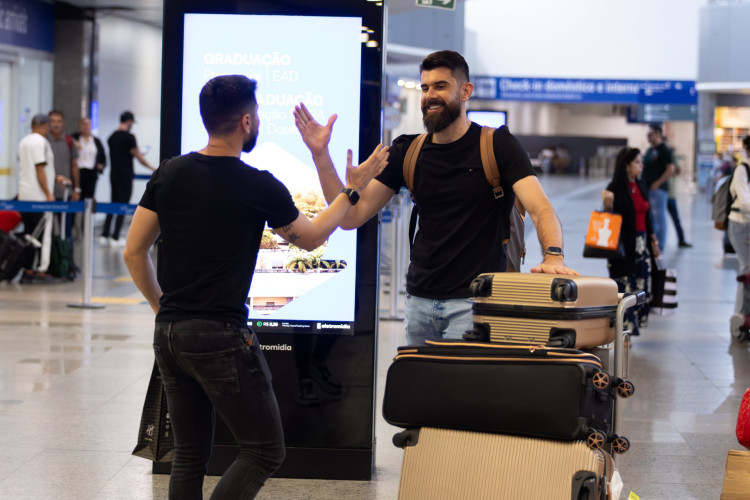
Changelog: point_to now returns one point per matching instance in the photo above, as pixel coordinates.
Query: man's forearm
(41, 177)
(329, 179)
(75, 174)
(548, 228)
(331, 218)
(144, 276)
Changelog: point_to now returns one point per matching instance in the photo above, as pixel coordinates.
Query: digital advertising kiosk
(314, 312)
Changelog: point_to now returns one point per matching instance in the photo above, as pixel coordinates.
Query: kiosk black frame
(335, 438)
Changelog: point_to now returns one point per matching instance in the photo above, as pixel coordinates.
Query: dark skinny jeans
(211, 366)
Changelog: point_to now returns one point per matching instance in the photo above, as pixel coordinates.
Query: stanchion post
(88, 254)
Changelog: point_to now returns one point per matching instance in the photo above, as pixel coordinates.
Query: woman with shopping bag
(626, 196)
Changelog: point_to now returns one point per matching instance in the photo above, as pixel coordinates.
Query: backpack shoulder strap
(410, 160)
(69, 141)
(491, 170)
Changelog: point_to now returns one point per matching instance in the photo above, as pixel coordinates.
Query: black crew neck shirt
(460, 232)
(212, 211)
(655, 162)
(120, 143)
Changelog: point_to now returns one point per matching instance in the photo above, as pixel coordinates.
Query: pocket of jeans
(215, 371)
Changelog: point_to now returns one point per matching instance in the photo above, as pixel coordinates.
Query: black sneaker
(685, 244)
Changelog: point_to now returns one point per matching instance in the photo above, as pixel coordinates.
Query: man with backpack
(463, 219)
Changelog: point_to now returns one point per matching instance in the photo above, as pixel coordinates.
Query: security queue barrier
(88, 207)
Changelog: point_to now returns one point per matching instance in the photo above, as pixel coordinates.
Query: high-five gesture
(359, 177)
(315, 135)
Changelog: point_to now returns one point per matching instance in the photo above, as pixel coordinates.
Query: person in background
(672, 209)
(91, 157)
(658, 167)
(66, 156)
(209, 359)
(36, 180)
(122, 149)
(625, 195)
(739, 230)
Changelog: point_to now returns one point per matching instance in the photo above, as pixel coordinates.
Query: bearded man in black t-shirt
(460, 230)
(210, 209)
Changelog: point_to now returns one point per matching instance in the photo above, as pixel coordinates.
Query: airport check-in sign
(442, 4)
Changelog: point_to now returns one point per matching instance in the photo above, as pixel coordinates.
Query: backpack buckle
(498, 192)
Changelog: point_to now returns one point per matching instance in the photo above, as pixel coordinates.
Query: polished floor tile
(72, 381)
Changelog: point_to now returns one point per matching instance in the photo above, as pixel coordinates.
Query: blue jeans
(675, 215)
(739, 236)
(436, 319)
(657, 200)
(212, 366)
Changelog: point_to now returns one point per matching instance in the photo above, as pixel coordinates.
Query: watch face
(353, 197)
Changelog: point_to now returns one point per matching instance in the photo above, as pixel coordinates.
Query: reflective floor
(72, 381)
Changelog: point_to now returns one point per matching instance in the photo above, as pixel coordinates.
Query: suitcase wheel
(620, 444)
(596, 440)
(408, 437)
(601, 380)
(625, 388)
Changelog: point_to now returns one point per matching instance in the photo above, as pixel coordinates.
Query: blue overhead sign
(28, 23)
(585, 91)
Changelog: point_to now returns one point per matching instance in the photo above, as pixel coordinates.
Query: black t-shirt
(460, 232)
(120, 143)
(655, 162)
(212, 211)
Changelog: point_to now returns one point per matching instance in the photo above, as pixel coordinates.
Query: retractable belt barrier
(88, 207)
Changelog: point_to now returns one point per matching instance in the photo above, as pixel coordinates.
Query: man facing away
(460, 222)
(122, 149)
(658, 167)
(210, 209)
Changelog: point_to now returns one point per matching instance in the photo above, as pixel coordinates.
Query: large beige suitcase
(444, 464)
(544, 309)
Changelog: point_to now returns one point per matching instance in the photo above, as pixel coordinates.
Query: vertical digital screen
(292, 290)
(488, 118)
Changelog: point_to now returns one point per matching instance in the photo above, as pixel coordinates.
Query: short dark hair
(447, 59)
(655, 127)
(224, 100)
(126, 116)
(56, 112)
(746, 142)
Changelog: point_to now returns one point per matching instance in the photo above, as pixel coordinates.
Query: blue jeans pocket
(215, 371)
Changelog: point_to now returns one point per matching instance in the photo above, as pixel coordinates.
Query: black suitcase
(15, 253)
(535, 391)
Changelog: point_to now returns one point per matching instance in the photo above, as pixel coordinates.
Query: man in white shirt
(36, 183)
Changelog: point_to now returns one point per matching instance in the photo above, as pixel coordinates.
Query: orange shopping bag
(604, 230)
(603, 236)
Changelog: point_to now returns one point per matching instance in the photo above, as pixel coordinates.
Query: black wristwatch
(554, 251)
(352, 194)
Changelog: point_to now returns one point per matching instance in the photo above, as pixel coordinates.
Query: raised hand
(359, 177)
(315, 136)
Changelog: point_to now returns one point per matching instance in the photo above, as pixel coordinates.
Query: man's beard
(250, 144)
(436, 122)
